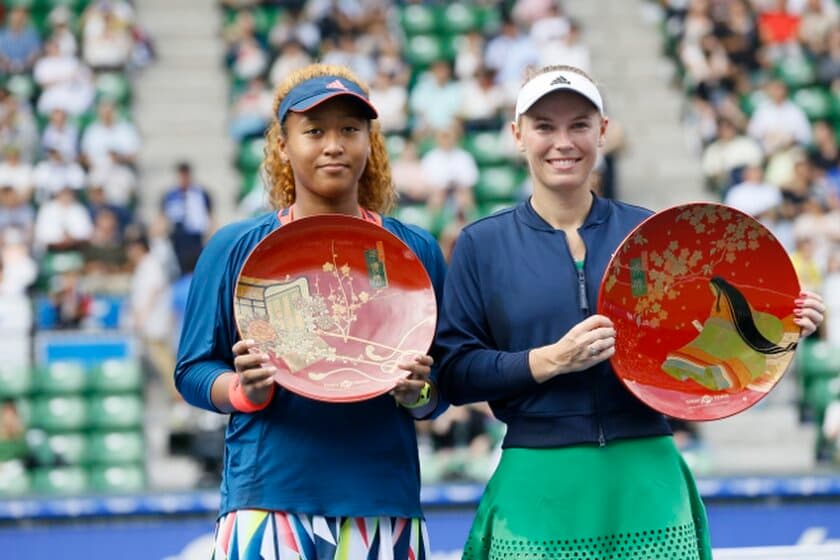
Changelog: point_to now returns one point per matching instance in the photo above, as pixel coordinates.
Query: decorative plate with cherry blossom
(337, 303)
(702, 298)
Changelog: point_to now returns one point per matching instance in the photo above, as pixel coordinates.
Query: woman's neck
(566, 211)
(310, 206)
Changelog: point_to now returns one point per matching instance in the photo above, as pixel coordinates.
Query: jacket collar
(598, 213)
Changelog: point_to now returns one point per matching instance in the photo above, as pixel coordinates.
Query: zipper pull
(602, 441)
(584, 302)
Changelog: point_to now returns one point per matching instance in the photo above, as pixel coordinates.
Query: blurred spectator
(249, 59)
(727, 154)
(13, 447)
(187, 206)
(436, 98)
(19, 42)
(345, 52)
(107, 137)
(777, 121)
(61, 135)
(753, 195)
(831, 293)
(291, 57)
(16, 173)
(470, 56)
(17, 125)
(828, 62)
(291, 27)
(118, 181)
(55, 173)
(391, 101)
(568, 49)
(251, 111)
(66, 83)
(451, 171)
(97, 201)
(62, 223)
(151, 311)
(19, 268)
(71, 304)
(707, 67)
(804, 262)
(105, 253)
(778, 28)
(510, 53)
(15, 212)
(739, 35)
(817, 19)
(59, 20)
(483, 102)
(463, 442)
(409, 176)
(106, 39)
(615, 143)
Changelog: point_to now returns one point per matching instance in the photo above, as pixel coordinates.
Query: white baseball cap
(556, 80)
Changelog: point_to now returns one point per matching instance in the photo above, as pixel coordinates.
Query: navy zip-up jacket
(512, 286)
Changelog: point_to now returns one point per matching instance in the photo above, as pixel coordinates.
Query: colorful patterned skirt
(629, 500)
(264, 535)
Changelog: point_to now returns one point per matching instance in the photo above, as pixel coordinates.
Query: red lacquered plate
(337, 303)
(702, 298)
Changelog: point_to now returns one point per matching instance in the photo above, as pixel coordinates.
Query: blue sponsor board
(746, 512)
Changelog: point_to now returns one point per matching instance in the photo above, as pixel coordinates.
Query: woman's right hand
(588, 343)
(256, 373)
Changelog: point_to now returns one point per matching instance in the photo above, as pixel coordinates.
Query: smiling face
(559, 136)
(327, 148)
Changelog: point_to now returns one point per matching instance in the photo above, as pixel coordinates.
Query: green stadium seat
(485, 210)
(70, 448)
(251, 153)
(116, 376)
(419, 215)
(15, 381)
(751, 100)
(21, 85)
(395, 144)
(250, 181)
(113, 86)
(59, 414)
(14, 480)
(417, 19)
(498, 183)
(118, 479)
(818, 359)
(113, 448)
(115, 412)
(796, 72)
(62, 378)
(815, 101)
(485, 147)
(264, 19)
(459, 17)
(61, 481)
(422, 50)
(489, 19)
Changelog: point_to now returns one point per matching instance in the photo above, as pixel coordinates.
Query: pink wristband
(240, 401)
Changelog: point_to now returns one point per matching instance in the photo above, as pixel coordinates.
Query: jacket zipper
(583, 301)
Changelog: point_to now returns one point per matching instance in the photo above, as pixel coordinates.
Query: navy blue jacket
(512, 286)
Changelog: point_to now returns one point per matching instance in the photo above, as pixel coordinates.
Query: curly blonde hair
(376, 188)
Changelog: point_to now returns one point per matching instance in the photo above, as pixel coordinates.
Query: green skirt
(629, 500)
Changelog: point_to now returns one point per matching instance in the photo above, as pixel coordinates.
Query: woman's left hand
(407, 390)
(808, 312)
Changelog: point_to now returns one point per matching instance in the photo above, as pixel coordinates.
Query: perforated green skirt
(629, 500)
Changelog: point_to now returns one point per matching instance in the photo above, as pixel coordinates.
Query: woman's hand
(407, 390)
(588, 343)
(256, 373)
(808, 312)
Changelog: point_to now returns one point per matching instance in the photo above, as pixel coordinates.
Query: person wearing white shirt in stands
(450, 170)
(15, 172)
(777, 121)
(61, 135)
(108, 136)
(753, 195)
(62, 223)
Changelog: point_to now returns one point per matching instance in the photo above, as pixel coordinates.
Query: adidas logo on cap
(560, 80)
(336, 84)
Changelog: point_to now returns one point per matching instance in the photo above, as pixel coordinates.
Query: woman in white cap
(305, 479)
(587, 470)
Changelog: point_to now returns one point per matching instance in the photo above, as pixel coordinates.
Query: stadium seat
(418, 19)
(116, 376)
(59, 414)
(113, 86)
(498, 183)
(458, 18)
(15, 381)
(111, 448)
(818, 359)
(123, 479)
(21, 85)
(395, 144)
(251, 155)
(486, 148)
(69, 449)
(61, 378)
(422, 50)
(115, 412)
(419, 215)
(815, 101)
(14, 480)
(64, 481)
(796, 71)
(489, 19)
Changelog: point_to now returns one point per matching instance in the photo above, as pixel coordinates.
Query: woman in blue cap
(303, 478)
(587, 470)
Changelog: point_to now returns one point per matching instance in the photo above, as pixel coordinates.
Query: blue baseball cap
(315, 91)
